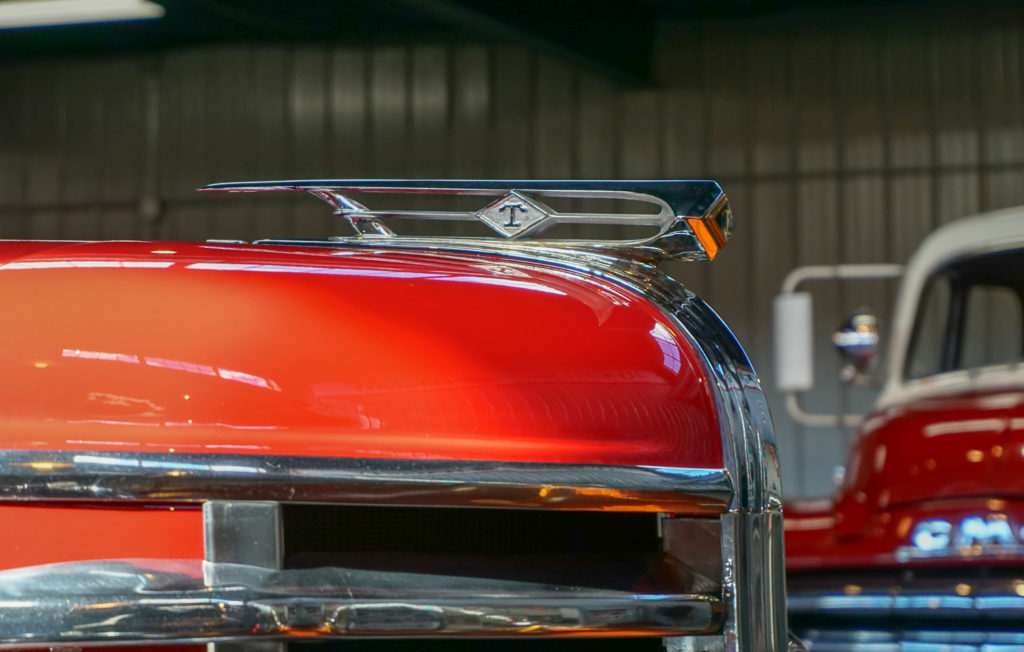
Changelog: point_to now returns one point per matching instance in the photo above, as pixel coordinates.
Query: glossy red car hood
(340, 352)
(956, 456)
(946, 448)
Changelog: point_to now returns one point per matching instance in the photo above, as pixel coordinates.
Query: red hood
(357, 353)
(966, 446)
(954, 457)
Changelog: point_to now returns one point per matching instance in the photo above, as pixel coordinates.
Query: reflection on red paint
(364, 354)
(179, 365)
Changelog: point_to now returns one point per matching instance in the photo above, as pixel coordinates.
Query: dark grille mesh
(597, 549)
(452, 530)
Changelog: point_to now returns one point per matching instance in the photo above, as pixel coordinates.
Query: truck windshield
(970, 316)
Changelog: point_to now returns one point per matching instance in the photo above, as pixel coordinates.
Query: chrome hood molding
(184, 478)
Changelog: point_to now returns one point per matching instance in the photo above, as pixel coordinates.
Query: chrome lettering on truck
(973, 536)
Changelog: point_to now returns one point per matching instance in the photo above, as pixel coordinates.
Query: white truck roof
(971, 236)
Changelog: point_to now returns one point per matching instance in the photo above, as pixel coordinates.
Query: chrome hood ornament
(692, 218)
(515, 215)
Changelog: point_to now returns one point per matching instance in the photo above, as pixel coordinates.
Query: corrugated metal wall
(844, 140)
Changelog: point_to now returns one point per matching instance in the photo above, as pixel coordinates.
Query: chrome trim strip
(693, 217)
(754, 579)
(950, 597)
(593, 260)
(869, 639)
(160, 600)
(182, 477)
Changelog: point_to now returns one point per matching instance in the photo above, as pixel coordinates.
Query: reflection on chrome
(183, 477)
(938, 599)
(176, 465)
(868, 640)
(122, 601)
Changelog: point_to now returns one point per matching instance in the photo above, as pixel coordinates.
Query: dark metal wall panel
(470, 154)
(43, 113)
(596, 128)
(85, 132)
(865, 189)
(12, 150)
(840, 141)
(773, 222)
(273, 155)
(819, 220)
(513, 90)
(554, 114)
(430, 107)
(120, 123)
(471, 107)
(348, 108)
(389, 112)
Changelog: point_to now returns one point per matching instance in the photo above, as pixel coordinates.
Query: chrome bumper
(988, 599)
(159, 600)
(865, 612)
(870, 640)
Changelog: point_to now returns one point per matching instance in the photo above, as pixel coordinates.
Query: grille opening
(606, 550)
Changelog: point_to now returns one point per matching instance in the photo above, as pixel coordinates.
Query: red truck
(922, 543)
(389, 438)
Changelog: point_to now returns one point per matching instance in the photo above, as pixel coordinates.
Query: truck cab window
(971, 315)
(992, 326)
(926, 346)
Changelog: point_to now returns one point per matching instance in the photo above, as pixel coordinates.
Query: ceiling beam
(607, 38)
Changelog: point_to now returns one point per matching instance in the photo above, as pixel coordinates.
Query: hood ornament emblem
(515, 214)
(689, 220)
